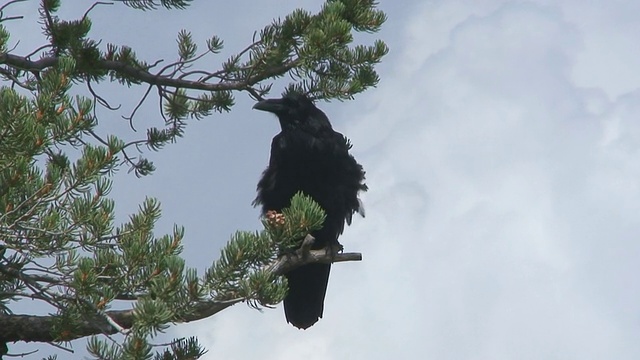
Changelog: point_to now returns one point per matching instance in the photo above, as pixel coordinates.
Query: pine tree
(59, 244)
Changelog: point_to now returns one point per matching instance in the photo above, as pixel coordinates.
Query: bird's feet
(333, 250)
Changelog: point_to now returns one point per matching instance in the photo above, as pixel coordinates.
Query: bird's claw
(334, 249)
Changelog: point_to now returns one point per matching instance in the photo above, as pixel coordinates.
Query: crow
(309, 156)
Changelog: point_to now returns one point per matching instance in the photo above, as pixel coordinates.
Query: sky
(502, 150)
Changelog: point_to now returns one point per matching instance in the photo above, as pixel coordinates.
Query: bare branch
(133, 113)
(17, 17)
(99, 99)
(15, 80)
(10, 3)
(22, 354)
(95, 4)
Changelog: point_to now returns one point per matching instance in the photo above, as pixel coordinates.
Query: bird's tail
(305, 301)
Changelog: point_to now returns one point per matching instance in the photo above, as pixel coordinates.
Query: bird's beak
(271, 105)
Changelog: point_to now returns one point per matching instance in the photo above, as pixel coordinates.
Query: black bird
(309, 156)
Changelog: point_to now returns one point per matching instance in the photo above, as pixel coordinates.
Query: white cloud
(610, 57)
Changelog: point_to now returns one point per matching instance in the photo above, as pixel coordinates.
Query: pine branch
(38, 328)
(145, 76)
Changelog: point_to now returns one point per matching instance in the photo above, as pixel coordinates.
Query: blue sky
(502, 150)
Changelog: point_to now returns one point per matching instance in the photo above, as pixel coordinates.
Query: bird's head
(295, 111)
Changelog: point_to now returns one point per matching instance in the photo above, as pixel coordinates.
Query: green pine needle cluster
(242, 271)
